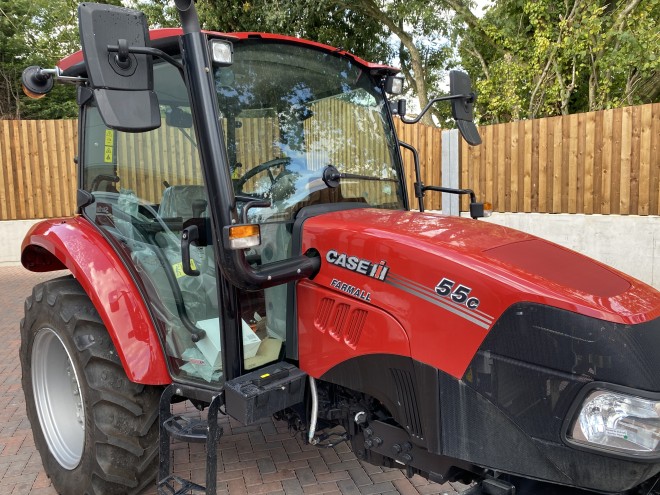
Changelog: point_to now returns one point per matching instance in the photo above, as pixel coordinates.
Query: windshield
(291, 111)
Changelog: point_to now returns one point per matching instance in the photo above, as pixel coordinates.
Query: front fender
(74, 244)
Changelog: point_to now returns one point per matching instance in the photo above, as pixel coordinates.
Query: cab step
(187, 430)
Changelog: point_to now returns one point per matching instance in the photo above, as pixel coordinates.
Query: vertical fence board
(570, 159)
(654, 182)
(5, 168)
(26, 179)
(512, 165)
(598, 164)
(529, 152)
(615, 174)
(623, 182)
(557, 171)
(646, 155)
(635, 159)
(543, 164)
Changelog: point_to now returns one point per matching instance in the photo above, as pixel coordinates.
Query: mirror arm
(451, 190)
(147, 50)
(469, 98)
(419, 186)
(257, 203)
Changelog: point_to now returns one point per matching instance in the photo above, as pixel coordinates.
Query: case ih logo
(358, 265)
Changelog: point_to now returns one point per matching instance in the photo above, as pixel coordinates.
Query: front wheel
(96, 432)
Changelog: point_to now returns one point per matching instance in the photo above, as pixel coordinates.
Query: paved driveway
(263, 458)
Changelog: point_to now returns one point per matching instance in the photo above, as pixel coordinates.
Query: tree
(424, 51)
(36, 32)
(322, 21)
(535, 58)
(363, 28)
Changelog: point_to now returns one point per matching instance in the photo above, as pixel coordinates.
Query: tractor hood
(442, 275)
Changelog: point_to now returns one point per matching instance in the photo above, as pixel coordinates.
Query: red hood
(526, 268)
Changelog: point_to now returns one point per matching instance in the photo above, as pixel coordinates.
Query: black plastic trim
(573, 412)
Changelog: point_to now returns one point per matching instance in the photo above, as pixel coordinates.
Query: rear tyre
(96, 432)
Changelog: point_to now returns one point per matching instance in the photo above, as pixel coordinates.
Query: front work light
(618, 422)
(394, 85)
(222, 52)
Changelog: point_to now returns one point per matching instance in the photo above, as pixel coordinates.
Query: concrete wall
(11, 237)
(628, 243)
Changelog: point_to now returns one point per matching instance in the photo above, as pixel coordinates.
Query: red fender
(74, 244)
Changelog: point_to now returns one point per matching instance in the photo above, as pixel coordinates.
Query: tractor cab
(290, 111)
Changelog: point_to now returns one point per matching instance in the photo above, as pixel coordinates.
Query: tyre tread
(122, 463)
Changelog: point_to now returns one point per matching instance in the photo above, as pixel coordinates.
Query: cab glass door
(147, 188)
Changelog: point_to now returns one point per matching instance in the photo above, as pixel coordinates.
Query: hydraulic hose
(315, 411)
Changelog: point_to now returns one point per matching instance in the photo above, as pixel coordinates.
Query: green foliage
(36, 32)
(547, 57)
(323, 21)
(527, 58)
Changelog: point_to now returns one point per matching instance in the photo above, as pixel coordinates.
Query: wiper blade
(332, 176)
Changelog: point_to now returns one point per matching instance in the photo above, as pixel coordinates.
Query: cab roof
(166, 38)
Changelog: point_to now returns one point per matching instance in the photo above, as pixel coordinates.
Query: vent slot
(407, 399)
(354, 327)
(338, 320)
(323, 313)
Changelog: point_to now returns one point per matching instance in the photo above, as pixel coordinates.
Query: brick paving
(258, 459)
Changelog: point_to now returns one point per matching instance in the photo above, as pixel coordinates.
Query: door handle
(189, 235)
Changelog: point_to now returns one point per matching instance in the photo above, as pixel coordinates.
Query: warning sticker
(109, 137)
(109, 141)
(107, 155)
(178, 268)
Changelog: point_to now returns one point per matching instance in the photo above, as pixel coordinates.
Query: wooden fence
(37, 173)
(601, 162)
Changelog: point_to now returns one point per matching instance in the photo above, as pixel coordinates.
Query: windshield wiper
(331, 177)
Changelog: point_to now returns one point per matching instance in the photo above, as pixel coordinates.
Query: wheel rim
(58, 398)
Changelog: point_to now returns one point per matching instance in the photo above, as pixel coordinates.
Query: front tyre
(96, 432)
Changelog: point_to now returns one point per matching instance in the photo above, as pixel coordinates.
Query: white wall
(628, 243)
(11, 237)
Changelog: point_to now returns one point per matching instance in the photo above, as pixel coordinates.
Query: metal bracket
(171, 427)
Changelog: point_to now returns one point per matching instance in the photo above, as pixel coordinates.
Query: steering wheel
(238, 186)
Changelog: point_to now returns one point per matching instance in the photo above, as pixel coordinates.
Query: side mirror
(463, 108)
(122, 82)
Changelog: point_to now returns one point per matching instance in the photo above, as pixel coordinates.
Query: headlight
(619, 422)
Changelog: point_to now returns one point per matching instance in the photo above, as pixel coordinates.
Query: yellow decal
(109, 141)
(107, 156)
(178, 268)
(109, 137)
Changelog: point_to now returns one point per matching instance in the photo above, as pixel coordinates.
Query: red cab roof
(160, 34)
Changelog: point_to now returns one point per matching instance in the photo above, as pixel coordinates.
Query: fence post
(450, 171)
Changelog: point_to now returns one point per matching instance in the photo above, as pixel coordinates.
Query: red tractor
(244, 241)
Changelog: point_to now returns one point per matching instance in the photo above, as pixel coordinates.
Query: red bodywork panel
(158, 34)
(74, 244)
(496, 265)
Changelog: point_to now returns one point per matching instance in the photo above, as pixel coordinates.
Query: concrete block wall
(630, 244)
(12, 233)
